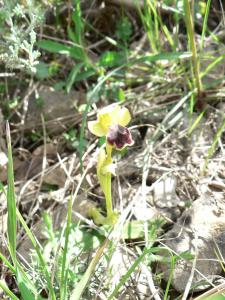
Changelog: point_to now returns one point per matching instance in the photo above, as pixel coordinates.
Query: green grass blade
(128, 273)
(214, 144)
(78, 291)
(212, 65)
(170, 39)
(148, 23)
(170, 56)
(172, 265)
(78, 22)
(216, 138)
(7, 263)
(7, 291)
(40, 256)
(79, 32)
(64, 258)
(198, 119)
(11, 202)
(153, 7)
(204, 27)
(72, 76)
(25, 286)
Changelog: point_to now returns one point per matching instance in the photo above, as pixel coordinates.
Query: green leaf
(78, 21)
(7, 263)
(59, 86)
(71, 34)
(162, 56)
(78, 53)
(54, 47)
(133, 230)
(86, 74)
(186, 255)
(101, 141)
(72, 76)
(84, 239)
(111, 59)
(120, 95)
(37, 248)
(24, 286)
(124, 29)
(75, 52)
(42, 71)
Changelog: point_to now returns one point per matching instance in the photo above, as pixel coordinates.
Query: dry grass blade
(78, 291)
(218, 290)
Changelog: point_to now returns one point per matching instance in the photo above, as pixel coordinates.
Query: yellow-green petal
(123, 116)
(97, 129)
(105, 121)
(110, 109)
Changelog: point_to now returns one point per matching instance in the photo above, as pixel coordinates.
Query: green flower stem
(108, 191)
(108, 196)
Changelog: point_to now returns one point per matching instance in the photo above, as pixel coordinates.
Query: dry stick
(190, 279)
(25, 102)
(90, 164)
(7, 74)
(44, 160)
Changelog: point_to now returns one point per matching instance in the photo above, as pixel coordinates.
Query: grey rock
(200, 231)
(165, 192)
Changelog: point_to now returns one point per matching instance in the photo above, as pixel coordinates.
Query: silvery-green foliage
(18, 22)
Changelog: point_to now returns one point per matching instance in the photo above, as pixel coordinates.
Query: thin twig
(190, 279)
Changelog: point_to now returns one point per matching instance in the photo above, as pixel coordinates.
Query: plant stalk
(108, 191)
(192, 45)
(108, 196)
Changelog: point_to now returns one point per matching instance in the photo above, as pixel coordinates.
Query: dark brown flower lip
(119, 137)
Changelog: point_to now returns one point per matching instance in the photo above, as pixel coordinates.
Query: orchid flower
(111, 122)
